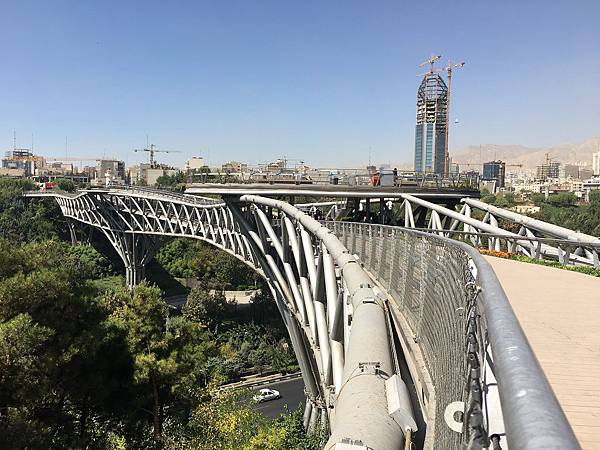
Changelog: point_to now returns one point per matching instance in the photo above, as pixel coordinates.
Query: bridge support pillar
(72, 232)
(136, 251)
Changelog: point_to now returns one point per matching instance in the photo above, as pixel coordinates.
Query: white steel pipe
(530, 222)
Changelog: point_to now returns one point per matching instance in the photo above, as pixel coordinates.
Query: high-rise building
(548, 170)
(431, 129)
(495, 170)
(596, 163)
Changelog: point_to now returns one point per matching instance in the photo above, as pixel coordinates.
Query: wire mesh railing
(565, 251)
(459, 316)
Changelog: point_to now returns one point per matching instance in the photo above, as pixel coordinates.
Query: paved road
(292, 395)
(240, 297)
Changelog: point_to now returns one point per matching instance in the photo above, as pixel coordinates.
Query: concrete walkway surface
(559, 311)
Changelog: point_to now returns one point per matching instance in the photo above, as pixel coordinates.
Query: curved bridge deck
(559, 311)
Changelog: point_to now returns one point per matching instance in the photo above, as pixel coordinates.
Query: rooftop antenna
(32, 143)
(14, 139)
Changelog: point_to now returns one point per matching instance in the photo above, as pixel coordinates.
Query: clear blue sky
(321, 81)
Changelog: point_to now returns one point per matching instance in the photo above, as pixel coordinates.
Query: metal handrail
(533, 417)
(557, 241)
(157, 193)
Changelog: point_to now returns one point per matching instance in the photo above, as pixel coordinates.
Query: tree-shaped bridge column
(136, 250)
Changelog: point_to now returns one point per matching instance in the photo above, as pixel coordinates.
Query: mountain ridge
(530, 157)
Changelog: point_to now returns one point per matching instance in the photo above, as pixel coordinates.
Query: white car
(265, 395)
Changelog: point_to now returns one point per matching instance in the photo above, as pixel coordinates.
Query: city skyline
(328, 84)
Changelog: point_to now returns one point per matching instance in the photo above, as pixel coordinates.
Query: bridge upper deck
(559, 311)
(331, 191)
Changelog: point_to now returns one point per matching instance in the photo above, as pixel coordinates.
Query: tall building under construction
(432, 125)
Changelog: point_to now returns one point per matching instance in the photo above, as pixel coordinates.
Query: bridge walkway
(559, 311)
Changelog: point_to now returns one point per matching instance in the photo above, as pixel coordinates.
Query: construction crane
(449, 68)
(152, 150)
(431, 61)
(481, 165)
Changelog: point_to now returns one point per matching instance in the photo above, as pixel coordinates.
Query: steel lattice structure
(495, 229)
(343, 320)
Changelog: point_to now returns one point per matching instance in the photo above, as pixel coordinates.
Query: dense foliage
(83, 368)
(563, 209)
(186, 258)
(64, 184)
(86, 363)
(176, 181)
(24, 220)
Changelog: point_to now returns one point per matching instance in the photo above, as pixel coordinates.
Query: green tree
(21, 368)
(214, 268)
(286, 432)
(73, 368)
(207, 308)
(24, 219)
(64, 184)
(563, 199)
(260, 357)
(175, 181)
(489, 198)
(169, 354)
(594, 198)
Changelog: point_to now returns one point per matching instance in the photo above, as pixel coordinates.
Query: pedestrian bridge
(404, 337)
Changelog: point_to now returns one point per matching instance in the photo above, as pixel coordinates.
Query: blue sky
(321, 81)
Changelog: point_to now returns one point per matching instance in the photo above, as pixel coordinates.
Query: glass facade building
(431, 129)
(495, 170)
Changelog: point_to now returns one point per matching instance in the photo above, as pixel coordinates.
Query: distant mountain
(580, 153)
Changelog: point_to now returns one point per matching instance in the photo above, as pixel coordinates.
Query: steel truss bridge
(402, 335)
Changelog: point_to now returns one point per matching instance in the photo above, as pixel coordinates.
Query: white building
(144, 174)
(591, 185)
(196, 163)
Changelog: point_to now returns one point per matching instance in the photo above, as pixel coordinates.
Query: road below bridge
(292, 396)
(559, 311)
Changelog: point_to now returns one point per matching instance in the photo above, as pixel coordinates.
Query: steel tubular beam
(531, 223)
(368, 357)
